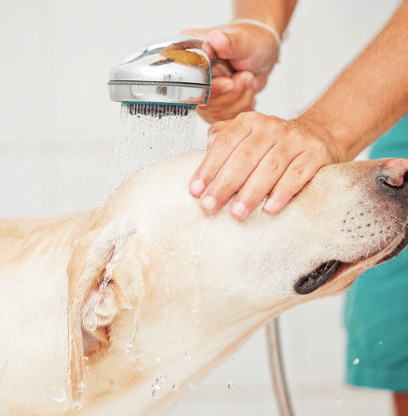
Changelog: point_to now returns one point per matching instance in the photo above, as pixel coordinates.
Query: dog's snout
(393, 176)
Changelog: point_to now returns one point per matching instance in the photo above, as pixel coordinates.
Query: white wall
(58, 127)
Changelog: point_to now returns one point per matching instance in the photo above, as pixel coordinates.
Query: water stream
(148, 134)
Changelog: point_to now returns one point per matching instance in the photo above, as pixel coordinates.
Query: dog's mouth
(322, 274)
(318, 277)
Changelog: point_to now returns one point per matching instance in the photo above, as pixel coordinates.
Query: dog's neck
(170, 355)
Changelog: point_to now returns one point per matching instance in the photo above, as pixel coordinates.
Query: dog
(121, 309)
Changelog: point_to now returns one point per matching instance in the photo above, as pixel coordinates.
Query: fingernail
(270, 205)
(197, 187)
(209, 203)
(239, 209)
(211, 140)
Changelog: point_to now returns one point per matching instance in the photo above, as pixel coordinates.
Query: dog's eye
(318, 277)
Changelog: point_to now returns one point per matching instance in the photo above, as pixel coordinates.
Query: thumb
(227, 43)
(247, 47)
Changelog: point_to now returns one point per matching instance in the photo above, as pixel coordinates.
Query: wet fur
(162, 258)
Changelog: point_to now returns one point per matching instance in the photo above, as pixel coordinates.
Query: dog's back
(34, 254)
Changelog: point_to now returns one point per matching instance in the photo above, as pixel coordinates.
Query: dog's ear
(101, 285)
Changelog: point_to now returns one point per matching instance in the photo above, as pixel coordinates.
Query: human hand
(252, 51)
(257, 157)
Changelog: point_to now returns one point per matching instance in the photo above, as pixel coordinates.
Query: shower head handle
(173, 70)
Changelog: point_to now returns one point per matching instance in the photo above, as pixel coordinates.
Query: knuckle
(272, 165)
(248, 116)
(319, 147)
(223, 140)
(298, 169)
(216, 127)
(247, 157)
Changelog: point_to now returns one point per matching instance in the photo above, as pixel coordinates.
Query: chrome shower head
(173, 70)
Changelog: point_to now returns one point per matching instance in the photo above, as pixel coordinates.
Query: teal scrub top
(376, 306)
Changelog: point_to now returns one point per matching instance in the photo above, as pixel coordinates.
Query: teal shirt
(376, 308)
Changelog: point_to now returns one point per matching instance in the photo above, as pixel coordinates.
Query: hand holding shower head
(173, 70)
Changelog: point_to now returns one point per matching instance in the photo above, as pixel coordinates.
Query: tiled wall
(58, 128)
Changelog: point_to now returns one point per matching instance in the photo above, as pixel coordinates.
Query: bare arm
(258, 156)
(371, 94)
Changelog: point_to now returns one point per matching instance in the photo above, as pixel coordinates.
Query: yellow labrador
(118, 311)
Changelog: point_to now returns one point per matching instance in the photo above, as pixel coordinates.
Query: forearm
(371, 94)
(275, 13)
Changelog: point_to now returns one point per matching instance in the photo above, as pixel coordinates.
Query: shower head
(173, 70)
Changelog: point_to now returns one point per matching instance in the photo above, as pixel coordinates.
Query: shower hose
(280, 387)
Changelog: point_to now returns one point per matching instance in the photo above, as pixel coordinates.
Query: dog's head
(154, 265)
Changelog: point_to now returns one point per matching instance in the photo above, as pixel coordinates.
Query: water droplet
(191, 386)
(231, 386)
(160, 360)
(197, 321)
(87, 368)
(187, 355)
(85, 358)
(156, 394)
(196, 302)
(81, 385)
(77, 406)
(129, 347)
(356, 361)
(380, 342)
(61, 397)
(175, 386)
(165, 312)
(129, 307)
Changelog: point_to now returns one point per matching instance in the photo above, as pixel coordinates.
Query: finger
(260, 82)
(252, 105)
(227, 141)
(226, 110)
(297, 175)
(229, 105)
(216, 127)
(237, 85)
(221, 86)
(235, 172)
(237, 43)
(268, 172)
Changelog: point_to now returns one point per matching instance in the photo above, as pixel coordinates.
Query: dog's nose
(393, 176)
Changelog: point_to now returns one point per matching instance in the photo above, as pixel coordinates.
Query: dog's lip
(342, 266)
(318, 277)
(399, 247)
